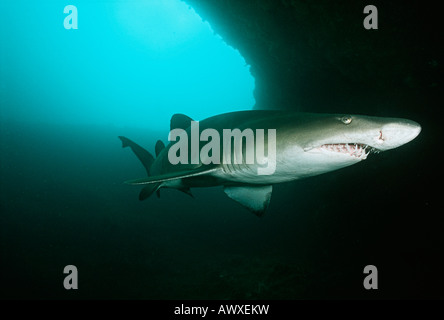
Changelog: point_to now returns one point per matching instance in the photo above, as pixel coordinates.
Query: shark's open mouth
(360, 151)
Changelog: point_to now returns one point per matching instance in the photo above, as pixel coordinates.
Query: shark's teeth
(360, 151)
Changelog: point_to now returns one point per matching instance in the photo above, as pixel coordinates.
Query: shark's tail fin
(147, 160)
(151, 184)
(144, 156)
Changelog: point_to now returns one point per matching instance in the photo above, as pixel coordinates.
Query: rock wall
(317, 56)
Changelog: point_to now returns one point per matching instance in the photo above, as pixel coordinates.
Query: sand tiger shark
(306, 145)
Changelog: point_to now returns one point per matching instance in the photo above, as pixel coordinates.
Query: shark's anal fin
(254, 198)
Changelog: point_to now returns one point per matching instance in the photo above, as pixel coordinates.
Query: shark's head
(360, 132)
(330, 142)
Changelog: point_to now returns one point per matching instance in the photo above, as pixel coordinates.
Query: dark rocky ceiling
(317, 56)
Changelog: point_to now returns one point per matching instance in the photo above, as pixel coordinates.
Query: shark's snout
(395, 134)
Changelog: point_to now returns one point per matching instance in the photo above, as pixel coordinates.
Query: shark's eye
(346, 119)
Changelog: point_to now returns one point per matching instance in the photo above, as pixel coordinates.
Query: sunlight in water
(129, 64)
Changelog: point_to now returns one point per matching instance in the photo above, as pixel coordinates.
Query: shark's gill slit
(381, 136)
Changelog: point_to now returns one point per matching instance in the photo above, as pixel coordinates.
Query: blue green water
(129, 64)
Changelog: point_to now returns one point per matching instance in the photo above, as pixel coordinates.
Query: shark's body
(306, 145)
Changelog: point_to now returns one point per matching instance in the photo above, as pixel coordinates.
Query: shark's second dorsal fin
(180, 121)
(254, 198)
(159, 147)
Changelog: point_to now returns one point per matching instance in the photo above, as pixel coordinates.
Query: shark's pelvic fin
(186, 190)
(159, 147)
(148, 190)
(180, 121)
(174, 176)
(254, 198)
(144, 156)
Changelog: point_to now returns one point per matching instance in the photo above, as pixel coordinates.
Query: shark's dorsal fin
(159, 147)
(254, 198)
(180, 121)
(174, 176)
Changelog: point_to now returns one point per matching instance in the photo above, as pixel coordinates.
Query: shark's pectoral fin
(254, 198)
(148, 190)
